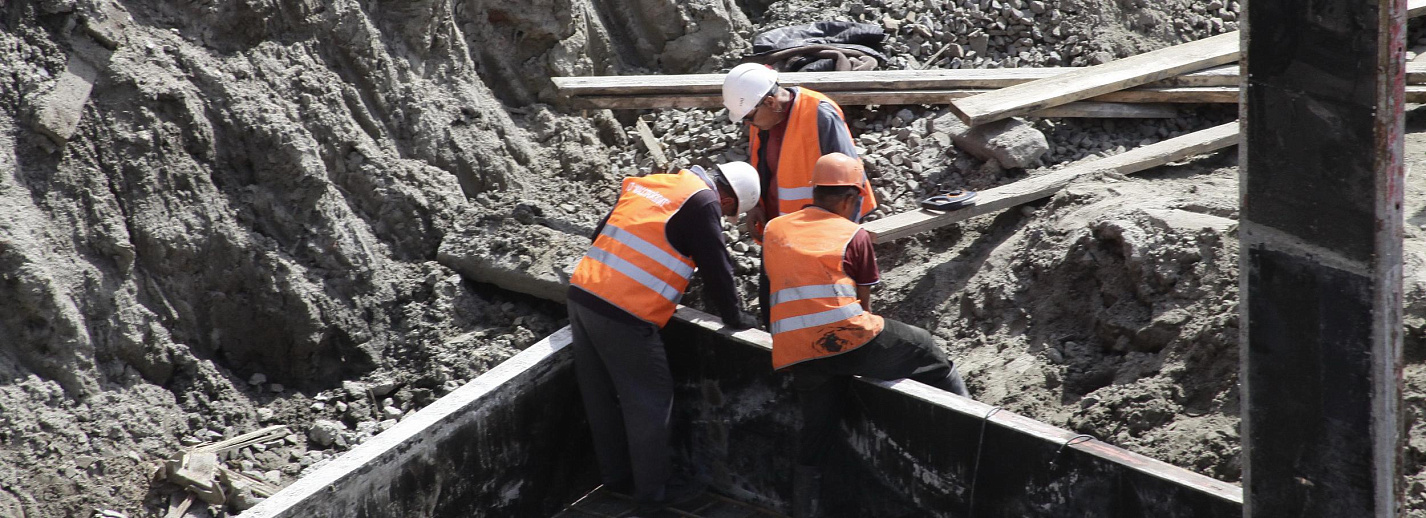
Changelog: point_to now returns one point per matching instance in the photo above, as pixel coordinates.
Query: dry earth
(266, 208)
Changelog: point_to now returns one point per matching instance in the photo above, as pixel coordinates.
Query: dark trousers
(628, 395)
(899, 351)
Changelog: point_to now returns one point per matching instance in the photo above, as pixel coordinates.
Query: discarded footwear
(949, 200)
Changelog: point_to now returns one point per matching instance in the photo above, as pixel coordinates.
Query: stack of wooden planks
(1216, 84)
(1196, 72)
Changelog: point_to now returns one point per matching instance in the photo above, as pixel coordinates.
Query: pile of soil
(262, 213)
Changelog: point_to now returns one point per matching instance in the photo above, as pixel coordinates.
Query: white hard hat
(743, 178)
(744, 87)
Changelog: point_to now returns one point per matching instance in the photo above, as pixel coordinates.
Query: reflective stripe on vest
(631, 263)
(649, 249)
(794, 195)
(812, 292)
(801, 147)
(637, 274)
(814, 307)
(817, 319)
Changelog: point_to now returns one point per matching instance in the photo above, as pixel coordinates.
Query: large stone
(325, 432)
(59, 110)
(107, 24)
(1014, 143)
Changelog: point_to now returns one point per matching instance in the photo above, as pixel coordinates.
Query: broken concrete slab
(530, 259)
(58, 111)
(197, 472)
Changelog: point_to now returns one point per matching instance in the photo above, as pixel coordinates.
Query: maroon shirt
(859, 261)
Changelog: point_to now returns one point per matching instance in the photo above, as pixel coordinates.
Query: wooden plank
(268, 434)
(1102, 110)
(1044, 185)
(1098, 80)
(178, 505)
(1415, 8)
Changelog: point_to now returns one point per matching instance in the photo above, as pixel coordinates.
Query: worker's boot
(806, 491)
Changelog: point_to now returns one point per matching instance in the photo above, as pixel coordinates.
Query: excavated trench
(516, 441)
(274, 212)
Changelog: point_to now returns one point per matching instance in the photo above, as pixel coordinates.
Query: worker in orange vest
(625, 289)
(790, 128)
(821, 267)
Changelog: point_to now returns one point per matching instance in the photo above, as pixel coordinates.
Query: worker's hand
(756, 219)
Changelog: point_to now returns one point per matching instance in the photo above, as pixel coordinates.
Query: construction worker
(625, 289)
(791, 129)
(821, 267)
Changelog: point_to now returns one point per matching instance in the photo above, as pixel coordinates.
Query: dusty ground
(262, 214)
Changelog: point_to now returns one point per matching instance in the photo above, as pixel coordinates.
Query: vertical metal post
(1320, 236)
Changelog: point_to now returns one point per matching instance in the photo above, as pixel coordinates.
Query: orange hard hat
(837, 169)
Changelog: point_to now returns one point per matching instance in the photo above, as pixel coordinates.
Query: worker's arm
(859, 263)
(695, 231)
(832, 132)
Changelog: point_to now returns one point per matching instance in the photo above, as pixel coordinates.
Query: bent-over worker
(625, 289)
(821, 267)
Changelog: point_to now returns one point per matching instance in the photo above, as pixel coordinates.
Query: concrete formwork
(514, 443)
(1321, 240)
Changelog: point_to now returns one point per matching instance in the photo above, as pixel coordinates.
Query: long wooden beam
(865, 80)
(932, 97)
(1181, 95)
(890, 80)
(1036, 187)
(1097, 80)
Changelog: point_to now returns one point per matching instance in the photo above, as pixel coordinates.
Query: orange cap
(837, 169)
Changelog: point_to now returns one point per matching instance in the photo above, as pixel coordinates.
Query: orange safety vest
(631, 264)
(815, 310)
(800, 151)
